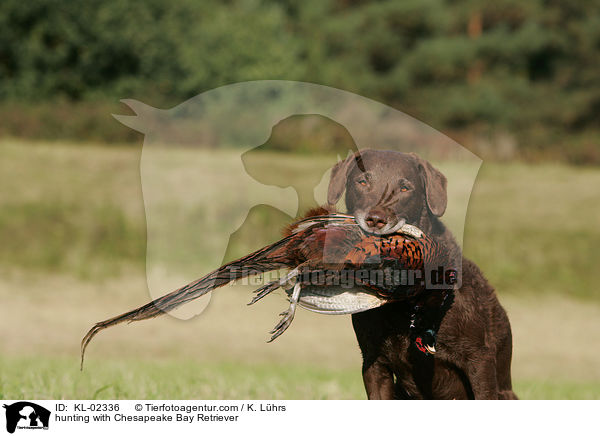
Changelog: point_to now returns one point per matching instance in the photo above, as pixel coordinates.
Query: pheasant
(320, 251)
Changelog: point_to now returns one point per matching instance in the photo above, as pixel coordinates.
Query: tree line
(520, 76)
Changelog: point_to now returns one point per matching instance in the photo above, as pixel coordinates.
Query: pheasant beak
(430, 349)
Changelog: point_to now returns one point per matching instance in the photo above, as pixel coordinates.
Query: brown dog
(470, 349)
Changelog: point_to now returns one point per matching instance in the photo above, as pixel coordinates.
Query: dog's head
(386, 189)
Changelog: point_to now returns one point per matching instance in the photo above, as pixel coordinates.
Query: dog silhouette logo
(26, 415)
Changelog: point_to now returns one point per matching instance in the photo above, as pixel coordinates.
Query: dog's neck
(436, 229)
(431, 224)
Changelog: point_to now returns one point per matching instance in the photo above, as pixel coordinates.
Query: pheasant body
(328, 244)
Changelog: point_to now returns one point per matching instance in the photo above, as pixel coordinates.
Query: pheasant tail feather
(266, 259)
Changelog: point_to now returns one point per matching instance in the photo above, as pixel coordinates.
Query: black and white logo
(26, 415)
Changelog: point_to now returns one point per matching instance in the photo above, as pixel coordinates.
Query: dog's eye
(403, 188)
(362, 182)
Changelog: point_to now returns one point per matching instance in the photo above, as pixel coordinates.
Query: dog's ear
(435, 186)
(339, 175)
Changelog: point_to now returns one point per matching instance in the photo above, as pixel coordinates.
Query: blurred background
(517, 83)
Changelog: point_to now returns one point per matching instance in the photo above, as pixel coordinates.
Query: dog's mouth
(392, 226)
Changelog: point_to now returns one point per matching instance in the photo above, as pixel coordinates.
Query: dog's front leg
(379, 381)
(482, 375)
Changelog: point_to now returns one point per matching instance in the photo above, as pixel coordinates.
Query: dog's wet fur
(385, 189)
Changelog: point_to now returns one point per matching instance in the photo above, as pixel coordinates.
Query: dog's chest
(385, 335)
(423, 376)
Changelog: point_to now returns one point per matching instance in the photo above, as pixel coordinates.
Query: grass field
(72, 252)
(59, 378)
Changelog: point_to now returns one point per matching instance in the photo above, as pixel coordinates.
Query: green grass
(534, 229)
(182, 379)
(60, 378)
(545, 389)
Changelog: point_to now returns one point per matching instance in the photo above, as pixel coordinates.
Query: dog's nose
(376, 219)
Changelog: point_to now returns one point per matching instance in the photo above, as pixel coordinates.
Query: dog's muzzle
(389, 228)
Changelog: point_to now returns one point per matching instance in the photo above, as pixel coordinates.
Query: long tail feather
(266, 259)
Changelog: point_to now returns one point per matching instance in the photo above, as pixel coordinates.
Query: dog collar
(424, 329)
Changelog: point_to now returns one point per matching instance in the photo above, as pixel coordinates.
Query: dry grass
(553, 340)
